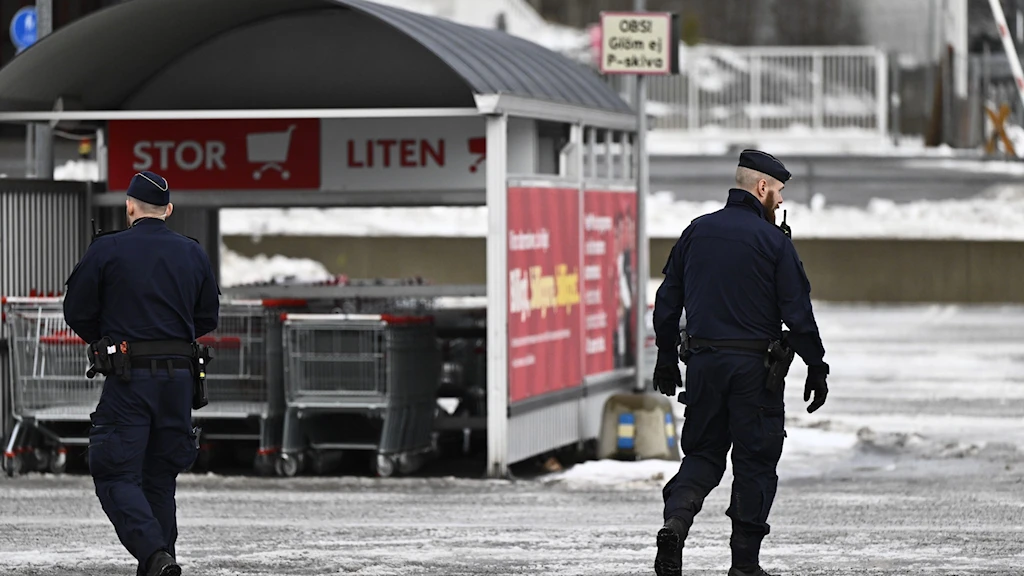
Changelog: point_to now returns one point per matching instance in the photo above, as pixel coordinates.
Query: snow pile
(996, 216)
(419, 222)
(236, 269)
(78, 170)
(807, 452)
(999, 216)
(615, 472)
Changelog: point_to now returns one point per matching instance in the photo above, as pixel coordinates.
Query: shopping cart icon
(478, 146)
(269, 149)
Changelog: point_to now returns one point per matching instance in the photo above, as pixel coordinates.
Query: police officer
(152, 292)
(738, 277)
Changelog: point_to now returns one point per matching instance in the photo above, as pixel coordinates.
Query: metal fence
(43, 233)
(739, 91)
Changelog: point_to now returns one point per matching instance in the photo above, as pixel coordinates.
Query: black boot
(753, 571)
(669, 561)
(162, 564)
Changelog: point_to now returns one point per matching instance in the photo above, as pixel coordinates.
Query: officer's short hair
(147, 208)
(747, 178)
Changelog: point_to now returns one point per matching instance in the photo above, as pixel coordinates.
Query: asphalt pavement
(913, 467)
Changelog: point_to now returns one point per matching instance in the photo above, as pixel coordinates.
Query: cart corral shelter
(303, 103)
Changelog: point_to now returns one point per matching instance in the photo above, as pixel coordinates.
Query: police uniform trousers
(141, 439)
(727, 405)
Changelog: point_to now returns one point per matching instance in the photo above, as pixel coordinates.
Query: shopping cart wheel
(58, 461)
(263, 465)
(317, 462)
(12, 465)
(287, 466)
(385, 466)
(41, 459)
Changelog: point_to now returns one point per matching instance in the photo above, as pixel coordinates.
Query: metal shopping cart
(52, 398)
(243, 381)
(269, 149)
(50, 394)
(359, 383)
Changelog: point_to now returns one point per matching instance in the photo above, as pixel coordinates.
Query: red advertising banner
(217, 154)
(609, 280)
(543, 291)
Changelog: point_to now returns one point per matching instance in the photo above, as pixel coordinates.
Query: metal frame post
(497, 296)
(882, 94)
(643, 246)
(44, 132)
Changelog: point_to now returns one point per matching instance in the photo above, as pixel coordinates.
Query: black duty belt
(160, 348)
(162, 363)
(177, 354)
(753, 345)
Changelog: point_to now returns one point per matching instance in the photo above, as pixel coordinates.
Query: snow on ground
(796, 140)
(998, 215)
(908, 384)
(913, 466)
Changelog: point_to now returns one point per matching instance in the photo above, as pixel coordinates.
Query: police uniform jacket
(738, 277)
(144, 283)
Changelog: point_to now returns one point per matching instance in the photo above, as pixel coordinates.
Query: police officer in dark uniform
(739, 278)
(148, 293)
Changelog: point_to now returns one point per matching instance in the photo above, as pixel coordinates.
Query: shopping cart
(243, 386)
(51, 391)
(374, 376)
(269, 149)
(49, 387)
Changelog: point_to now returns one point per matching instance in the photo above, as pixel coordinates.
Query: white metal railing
(773, 89)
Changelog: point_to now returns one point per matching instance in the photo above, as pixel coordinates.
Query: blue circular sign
(23, 28)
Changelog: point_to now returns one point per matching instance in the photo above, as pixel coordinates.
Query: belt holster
(99, 353)
(201, 357)
(778, 359)
(107, 358)
(684, 348)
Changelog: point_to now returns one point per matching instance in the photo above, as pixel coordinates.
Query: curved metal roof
(245, 54)
(493, 62)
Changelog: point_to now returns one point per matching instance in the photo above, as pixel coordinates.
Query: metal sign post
(44, 132)
(644, 243)
(640, 43)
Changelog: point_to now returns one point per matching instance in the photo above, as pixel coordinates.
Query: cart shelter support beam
(553, 111)
(308, 198)
(252, 114)
(497, 296)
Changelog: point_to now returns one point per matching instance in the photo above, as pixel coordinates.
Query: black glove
(667, 378)
(816, 382)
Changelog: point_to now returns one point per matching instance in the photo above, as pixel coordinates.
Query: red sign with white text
(543, 291)
(609, 280)
(217, 154)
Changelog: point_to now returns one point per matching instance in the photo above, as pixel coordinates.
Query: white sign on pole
(403, 154)
(639, 43)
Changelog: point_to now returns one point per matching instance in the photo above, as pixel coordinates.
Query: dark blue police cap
(764, 163)
(150, 188)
